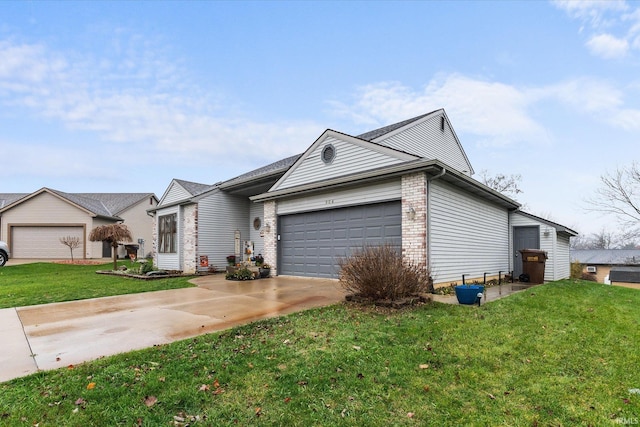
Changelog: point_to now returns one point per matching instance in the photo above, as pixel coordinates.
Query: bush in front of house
(380, 273)
(241, 274)
(576, 270)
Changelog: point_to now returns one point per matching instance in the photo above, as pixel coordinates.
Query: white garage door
(311, 242)
(44, 242)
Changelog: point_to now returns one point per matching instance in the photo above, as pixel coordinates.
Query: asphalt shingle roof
(376, 133)
(625, 274)
(8, 198)
(101, 204)
(194, 188)
(116, 202)
(280, 165)
(606, 256)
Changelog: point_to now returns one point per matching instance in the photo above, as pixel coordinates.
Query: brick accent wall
(190, 239)
(154, 243)
(271, 237)
(414, 218)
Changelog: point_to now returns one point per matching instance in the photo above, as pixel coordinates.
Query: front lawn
(42, 283)
(564, 353)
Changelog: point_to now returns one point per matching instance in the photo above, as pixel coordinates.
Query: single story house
(408, 184)
(32, 224)
(599, 262)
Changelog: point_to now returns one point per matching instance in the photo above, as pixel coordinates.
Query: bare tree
(71, 242)
(619, 195)
(604, 239)
(508, 185)
(112, 233)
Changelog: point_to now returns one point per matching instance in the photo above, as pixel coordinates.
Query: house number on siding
(328, 202)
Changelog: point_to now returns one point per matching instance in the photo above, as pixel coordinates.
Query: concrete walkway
(57, 335)
(491, 294)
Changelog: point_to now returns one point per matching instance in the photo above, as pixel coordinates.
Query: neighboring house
(32, 224)
(599, 262)
(408, 184)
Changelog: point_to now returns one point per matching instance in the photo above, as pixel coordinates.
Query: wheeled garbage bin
(533, 262)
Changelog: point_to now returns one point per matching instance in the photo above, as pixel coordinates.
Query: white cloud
(586, 95)
(594, 12)
(138, 99)
(611, 27)
(498, 114)
(608, 46)
(476, 104)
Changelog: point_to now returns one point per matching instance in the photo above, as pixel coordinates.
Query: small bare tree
(71, 242)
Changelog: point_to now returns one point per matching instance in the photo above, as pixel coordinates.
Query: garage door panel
(335, 233)
(44, 241)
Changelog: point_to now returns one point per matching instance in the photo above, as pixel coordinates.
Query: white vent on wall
(591, 269)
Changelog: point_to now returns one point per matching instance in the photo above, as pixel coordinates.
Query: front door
(524, 238)
(106, 249)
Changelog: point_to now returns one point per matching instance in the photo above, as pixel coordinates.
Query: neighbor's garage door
(44, 242)
(310, 242)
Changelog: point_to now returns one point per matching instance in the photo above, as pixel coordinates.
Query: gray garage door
(310, 242)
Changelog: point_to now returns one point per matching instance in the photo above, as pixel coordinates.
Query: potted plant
(469, 294)
(259, 260)
(231, 260)
(265, 270)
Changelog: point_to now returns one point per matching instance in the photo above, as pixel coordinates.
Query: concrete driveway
(57, 335)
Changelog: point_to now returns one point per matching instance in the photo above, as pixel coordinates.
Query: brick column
(190, 239)
(271, 236)
(414, 218)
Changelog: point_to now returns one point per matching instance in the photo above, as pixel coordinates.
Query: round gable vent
(328, 153)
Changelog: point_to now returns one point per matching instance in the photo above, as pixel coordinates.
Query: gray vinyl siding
(256, 210)
(171, 261)
(350, 158)
(563, 258)
(557, 265)
(219, 216)
(467, 235)
(174, 194)
(378, 192)
(427, 140)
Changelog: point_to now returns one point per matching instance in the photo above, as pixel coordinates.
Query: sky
(126, 96)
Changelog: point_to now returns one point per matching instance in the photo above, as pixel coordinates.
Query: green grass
(42, 283)
(561, 354)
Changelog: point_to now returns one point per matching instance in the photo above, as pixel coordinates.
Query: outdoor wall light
(267, 228)
(546, 231)
(411, 213)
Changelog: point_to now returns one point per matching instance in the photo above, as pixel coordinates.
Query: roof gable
(429, 136)
(90, 206)
(181, 191)
(351, 155)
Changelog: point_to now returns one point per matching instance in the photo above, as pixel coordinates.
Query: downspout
(433, 178)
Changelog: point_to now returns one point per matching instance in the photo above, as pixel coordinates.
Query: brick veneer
(270, 237)
(190, 239)
(414, 228)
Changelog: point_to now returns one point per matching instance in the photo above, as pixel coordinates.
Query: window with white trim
(168, 234)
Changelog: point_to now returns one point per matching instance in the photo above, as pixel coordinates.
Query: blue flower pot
(468, 294)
